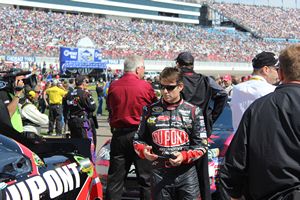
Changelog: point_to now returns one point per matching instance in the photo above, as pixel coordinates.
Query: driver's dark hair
(171, 73)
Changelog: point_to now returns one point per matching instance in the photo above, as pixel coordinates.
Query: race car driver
(172, 135)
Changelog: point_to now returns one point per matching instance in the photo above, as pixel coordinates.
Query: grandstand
(263, 21)
(220, 35)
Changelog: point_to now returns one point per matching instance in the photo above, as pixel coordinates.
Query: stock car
(46, 168)
(218, 144)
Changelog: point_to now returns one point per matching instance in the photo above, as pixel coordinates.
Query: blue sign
(78, 58)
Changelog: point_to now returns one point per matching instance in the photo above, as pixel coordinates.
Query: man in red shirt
(126, 99)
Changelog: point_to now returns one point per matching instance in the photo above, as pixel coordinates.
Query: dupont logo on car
(163, 118)
(58, 181)
(170, 137)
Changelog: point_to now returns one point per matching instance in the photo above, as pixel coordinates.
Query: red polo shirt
(126, 99)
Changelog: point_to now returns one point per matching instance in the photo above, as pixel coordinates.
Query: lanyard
(256, 78)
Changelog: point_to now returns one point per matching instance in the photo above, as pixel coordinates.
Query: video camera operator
(11, 90)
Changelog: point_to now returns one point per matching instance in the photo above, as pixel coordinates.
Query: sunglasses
(168, 87)
(86, 81)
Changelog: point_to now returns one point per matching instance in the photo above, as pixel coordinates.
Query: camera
(7, 81)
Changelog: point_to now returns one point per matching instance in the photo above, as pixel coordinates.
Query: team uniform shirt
(55, 95)
(245, 93)
(263, 157)
(172, 128)
(131, 93)
(80, 103)
(34, 117)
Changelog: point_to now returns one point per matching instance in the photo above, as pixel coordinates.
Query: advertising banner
(20, 58)
(80, 58)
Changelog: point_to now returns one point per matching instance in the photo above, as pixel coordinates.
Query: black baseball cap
(185, 58)
(264, 59)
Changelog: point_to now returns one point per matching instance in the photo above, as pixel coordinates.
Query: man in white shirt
(261, 83)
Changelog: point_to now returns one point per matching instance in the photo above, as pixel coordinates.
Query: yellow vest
(16, 119)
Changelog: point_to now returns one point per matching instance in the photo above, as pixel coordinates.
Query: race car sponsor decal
(151, 120)
(157, 109)
(37, 160)
(184, 112)
(57, 181)
(162, 125)
(203, 135)
(176, 118)
(163, 118)
(170, 137)
(202, 124)
(187, 120)
(176, 124)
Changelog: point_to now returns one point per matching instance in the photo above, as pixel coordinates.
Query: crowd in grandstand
(40, 33)
(264, 21)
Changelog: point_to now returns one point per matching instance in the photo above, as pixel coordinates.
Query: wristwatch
(18, 96)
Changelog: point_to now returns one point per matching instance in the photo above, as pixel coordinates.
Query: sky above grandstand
(277, 3)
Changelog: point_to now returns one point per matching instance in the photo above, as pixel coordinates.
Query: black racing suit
(173, 128)
(80, 106)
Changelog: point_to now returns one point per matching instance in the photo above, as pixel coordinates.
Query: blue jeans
(100, 102)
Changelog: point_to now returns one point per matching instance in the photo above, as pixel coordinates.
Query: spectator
(172, 135)
(80, 106)
(126, 98)
(99, 90)
(267, 22)
(235, 80)
(227, 81)
(55, 95)
(218, 81)
(200, 90)
(149, 80)
(71, 84)
(32, 118)
(263, 159)
(43, 99)
(155, 83)
(263, 76)
(154, 40)
(244, 78)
